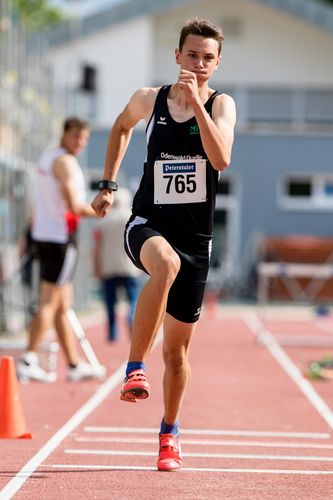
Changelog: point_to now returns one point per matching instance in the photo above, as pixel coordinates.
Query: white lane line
(304, 341)
(211, 432)
(104, 390)
(138, 453)
(207, 442)
(325, 327)
(193, 469)
(267, 339)
(29, 468)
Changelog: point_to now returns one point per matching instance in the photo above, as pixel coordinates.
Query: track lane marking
(327, 328)
(79, 416)
(267, 339)
(207, 442)
(209, 432)
(191, 469)
(242, 456)
(29, 468)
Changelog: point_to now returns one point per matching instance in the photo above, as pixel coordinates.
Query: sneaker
(169, 457)
(135, 387)
(319, 371)
(84, 370)
(326, 362)
(28, 368)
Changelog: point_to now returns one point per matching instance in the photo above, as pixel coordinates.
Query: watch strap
(105, 184)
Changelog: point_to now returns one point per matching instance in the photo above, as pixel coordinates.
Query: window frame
(317, 201)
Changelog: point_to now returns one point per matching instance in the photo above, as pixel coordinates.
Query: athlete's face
(74, 140)
(199, 55)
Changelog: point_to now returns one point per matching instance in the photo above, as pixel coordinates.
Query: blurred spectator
(111, 264)
(59, 203)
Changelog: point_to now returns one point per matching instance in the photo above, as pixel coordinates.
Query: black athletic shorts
(187, 292)
(57, 261)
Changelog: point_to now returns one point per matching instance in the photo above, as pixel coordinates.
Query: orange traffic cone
(12, 421)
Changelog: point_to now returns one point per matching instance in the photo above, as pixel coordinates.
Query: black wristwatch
(111, 185)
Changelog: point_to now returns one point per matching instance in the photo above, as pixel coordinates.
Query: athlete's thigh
(144, 245)
(57, 262)
(66, 297)
(186, 294)
(136, 233)
(154, 250)
(176, 334)
(49, 294)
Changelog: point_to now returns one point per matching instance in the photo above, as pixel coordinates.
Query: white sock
(30, 357)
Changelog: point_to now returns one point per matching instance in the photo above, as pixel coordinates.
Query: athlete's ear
(218, 62)
(177, 55)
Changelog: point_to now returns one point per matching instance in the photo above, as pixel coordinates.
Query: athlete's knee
(65, 300)
(175, 361)
(61, 312)
(167, 266)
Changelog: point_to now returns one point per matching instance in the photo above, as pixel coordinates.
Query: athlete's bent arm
(138, 108)
(63, 170)
(217, 133)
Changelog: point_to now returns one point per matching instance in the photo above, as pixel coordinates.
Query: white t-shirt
(50, 220)
(113, 259)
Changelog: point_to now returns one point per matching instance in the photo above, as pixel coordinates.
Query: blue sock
(135, 365)
(169, 428)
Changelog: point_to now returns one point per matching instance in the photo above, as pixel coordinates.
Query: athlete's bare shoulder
(139, 107)
(145, 97)
(63, 165)
(224, 100)
(148, 93)
(224, 107)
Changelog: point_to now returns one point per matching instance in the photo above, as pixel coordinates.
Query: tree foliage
(36, 14)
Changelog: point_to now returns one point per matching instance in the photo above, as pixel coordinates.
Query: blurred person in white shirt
(118, 275)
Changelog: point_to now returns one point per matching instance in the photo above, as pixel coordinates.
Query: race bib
(179, 181)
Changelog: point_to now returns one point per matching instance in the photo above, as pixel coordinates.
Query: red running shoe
(135, 387)
(170, 457)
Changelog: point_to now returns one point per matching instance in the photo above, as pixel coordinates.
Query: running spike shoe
(135, 387)
(169, 457)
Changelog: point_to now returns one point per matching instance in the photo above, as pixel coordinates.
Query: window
(328, 188)
(297, 188)
(224, 187)
(307, 192)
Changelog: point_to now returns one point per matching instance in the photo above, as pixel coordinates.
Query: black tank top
(171, 140)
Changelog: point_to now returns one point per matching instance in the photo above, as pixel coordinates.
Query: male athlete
(190, 132)
(59, 202)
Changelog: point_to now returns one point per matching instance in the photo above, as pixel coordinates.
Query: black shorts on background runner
(57, 261)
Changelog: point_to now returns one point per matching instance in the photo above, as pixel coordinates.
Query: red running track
(252, 427)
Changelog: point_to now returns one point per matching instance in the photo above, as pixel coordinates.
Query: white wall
(123, 58)
(271, 48)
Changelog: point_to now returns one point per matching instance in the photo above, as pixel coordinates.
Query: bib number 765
(180, 183)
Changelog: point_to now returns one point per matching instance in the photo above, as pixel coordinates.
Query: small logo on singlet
(162, 121)
(194, 130)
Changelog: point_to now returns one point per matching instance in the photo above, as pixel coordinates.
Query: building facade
(275, 63)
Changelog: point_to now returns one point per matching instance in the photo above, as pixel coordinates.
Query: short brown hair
(74, 122)
(201, 27)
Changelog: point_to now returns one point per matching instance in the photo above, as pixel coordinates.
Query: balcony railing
(301, 109)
